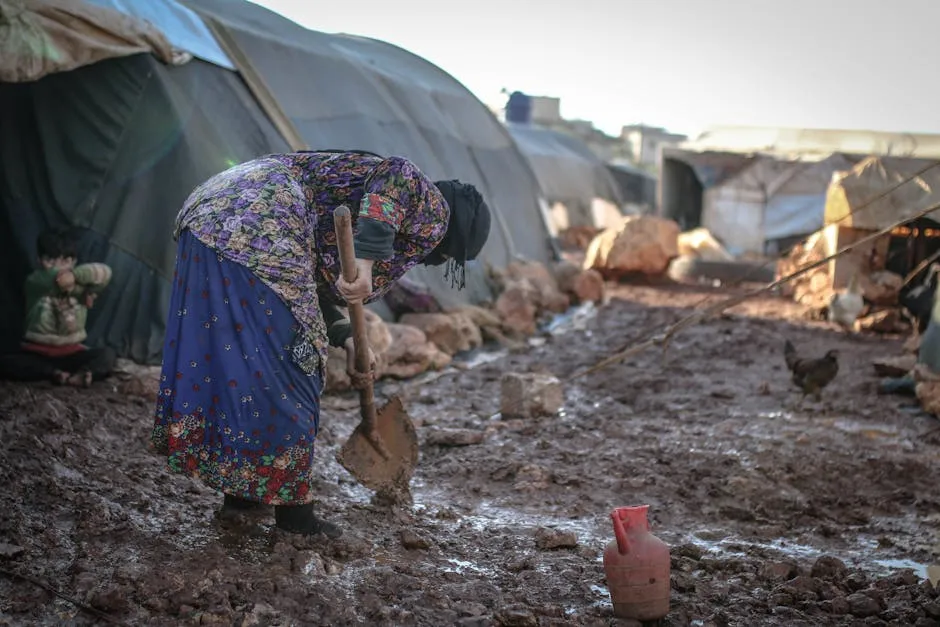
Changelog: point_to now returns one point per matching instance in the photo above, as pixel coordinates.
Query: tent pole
(257, 85)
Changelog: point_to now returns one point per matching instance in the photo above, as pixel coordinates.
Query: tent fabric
(41, 37)
(359, 93)
(636, 186)
(115, 148)
(768, 200)
(853, 191)
(181, 26)
(566, 169)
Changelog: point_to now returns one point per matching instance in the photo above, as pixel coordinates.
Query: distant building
(646, 142)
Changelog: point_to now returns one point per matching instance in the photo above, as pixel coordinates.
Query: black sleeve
(375, 240)
(338, 329)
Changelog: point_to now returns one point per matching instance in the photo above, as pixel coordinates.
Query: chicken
(811, 375)
(918, 301)
(846, 306)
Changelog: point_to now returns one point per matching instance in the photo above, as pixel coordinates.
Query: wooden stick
(342, 222)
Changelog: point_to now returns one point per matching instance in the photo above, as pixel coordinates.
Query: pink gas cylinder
(637, 567)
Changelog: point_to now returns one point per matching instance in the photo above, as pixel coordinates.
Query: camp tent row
(111, 111)
(756, 189)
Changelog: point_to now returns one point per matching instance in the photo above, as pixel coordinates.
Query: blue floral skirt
(234, 409)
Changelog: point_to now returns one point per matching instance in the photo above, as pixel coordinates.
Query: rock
(577, 237)
(411, 353)
(838, 606)
(452, 333)
(261, 614)
(894, 366)
(580, 285)
(862, 605)
(643, 244)
(932, 609)
(516, 617)
(550, 297)
(336, 378)
(530, 395)
(491, 328)
(547, 539)
(380, 339)
(778, 572)
(828, 567)
(532, 478)
(701, 244)
(412, 541)
(517, 307)
(454, 437)
(884, 321)
(10, 551)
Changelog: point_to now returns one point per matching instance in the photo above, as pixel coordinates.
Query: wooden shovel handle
(342, 223)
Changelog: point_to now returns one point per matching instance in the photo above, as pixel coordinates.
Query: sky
(681, 64)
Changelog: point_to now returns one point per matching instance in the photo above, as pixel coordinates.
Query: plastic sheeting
(870, 178)
(114, 148)
(41, 37)
(567, 171)
(768, 200)
(351, 92)
(180, 25)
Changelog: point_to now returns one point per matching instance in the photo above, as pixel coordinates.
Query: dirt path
(748, 489)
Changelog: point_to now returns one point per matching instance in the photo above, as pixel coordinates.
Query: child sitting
(58, 296)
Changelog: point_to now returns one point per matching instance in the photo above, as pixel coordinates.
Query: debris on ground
(531, 395)
(742, 486)
(642, 245)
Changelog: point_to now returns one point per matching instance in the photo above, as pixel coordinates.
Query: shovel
(383, 450)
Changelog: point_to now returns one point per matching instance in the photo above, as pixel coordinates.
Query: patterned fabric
(274, 215)
(234, 409)
(58, 318)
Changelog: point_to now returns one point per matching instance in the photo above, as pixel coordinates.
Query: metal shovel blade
(363, 461)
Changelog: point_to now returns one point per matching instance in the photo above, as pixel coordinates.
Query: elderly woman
(255, 305)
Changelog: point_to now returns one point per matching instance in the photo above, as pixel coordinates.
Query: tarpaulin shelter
(637, 186)
(114, 146)
(572, 178)
(717, 180)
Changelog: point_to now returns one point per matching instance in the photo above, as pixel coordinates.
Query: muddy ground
(825, 514)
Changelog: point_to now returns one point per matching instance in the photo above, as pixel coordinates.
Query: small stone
(862, 605)
(549, 539)
(856, 581)
(516, 617)
(828, 567)
(454, 437)
(9, 551)
(778, 571)
(412, 541)
(781, 600)
(530, 395)
(689, 550)
(838, 606)
(932, 609)
(261, 614)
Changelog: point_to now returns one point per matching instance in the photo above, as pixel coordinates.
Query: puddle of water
(465, 566)
(489, 515)
(861, 557)
(900, 564)
(872, 431)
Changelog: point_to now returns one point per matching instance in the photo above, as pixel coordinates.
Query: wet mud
(778, 512)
